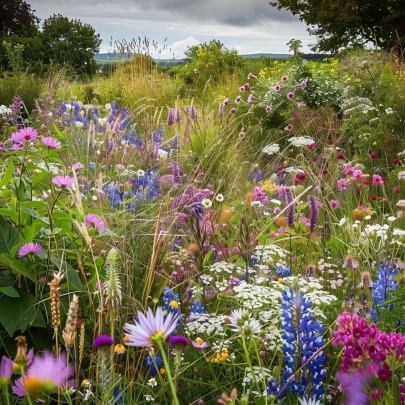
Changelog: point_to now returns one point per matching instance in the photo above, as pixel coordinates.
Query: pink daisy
(237, 99)
(290, 95)
(377, 179)
(284, 78)
(251, 98)
(242, 89)
(24, 135)
(289, 127)
(77, 166)
(342, 184)
(29, 248)
(94, 220)
(51, 143)
(63, 181)
(268, 109)
(46, 373)
(277, 87)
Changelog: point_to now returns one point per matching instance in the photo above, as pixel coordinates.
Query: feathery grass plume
(80, 324)
(69, 333)
(245, 247)
(112, 285)
(55, 301)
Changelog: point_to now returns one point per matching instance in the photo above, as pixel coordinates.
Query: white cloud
(178, 48)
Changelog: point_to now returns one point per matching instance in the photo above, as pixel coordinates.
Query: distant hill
(106, 58)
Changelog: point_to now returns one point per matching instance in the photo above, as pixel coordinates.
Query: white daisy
(206, 203)
(219, 197)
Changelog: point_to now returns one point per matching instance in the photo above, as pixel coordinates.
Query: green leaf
(17, 266)
(17, 313)
(34, 214)
(70, 273)
(9, 291)
(9, 237)
(6, 278)
(8, 174)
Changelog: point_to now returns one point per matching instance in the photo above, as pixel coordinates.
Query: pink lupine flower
(51, 143)
(342, 184)
(29, 248)
(63, 181)
(377, 179)
(94, 220)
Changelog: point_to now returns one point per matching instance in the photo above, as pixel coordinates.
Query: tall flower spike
(245, 247)
(55, 301)
(290, 204)
(314, 205)
(69, 333)
(112, 285)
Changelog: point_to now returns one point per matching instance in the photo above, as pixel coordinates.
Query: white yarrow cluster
(271, 149)
(301, 140)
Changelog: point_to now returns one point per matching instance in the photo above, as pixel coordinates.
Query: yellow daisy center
(157, 338)
(33, 385)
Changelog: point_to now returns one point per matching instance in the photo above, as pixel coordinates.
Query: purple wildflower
(290, 204)
(290, 95)
(179, 342)
(94, 220)
(171, 117)
(24, 135)
(103, 340)
(314, 205)
(51, 143)
(63, 181)
(6, 369)
(29, 248)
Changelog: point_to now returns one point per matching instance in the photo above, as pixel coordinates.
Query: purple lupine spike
(290, 204)
(110, 145)
(170, 117)
(178, 115)
(314, 205)
(194, 115)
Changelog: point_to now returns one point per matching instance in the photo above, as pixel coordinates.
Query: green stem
(169, 374)
(247, 355)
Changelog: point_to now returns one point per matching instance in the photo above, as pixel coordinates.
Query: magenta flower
(29, 249)
(242, 89)
(119, 166)
(24, 135)
(51, 143)
(103, 341)
(284, 78)
(6, 369)
(246, 86)
(334, 204)
(250, 75)
(342, 184)
(373, 155)
(45, 374)
(340, 156)
(151, 329)
(303, 84)
(277, 87)
(63, 181)
(290, 95)
(199, 343)
(377, 179)
(289, 127)
(94, 220)
(237, 99)
(178, 342)
(77, 166)
(268, 109)
(227, 101)
(250, 98)
(232, 111)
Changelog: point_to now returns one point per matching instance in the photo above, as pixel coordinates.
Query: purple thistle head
(314, 205)
(171, 117)
(29, 249)
(290, 204)
(179, 342)
(103, 341)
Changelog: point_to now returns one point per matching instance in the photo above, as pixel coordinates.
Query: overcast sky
(251, 26)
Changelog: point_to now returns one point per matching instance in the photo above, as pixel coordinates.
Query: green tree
(17, 18)
(71, 42)
(339, 23)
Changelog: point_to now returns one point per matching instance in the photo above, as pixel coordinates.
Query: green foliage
(17, 18)
(340, 23)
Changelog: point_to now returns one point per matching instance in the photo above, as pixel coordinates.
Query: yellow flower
(220, 357)
(269, 187)
(173, 304)
(280, 280)
(162, 371)
(374, 143)
(119, 349)
(126, 339)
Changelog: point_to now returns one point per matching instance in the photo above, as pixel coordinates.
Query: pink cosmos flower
(24, 135)
(63, 181)
(290, 95)
(289, 127)
(29, 248)
(342, 184)
(377, 179)
(51, 143)
(277, 88)
(268, 109)
(77, 166)
(284, 78)
(94, 220)
(357, 175)
(45, 374)
(334, 204)
(199, 343)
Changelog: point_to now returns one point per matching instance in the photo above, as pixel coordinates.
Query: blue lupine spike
(283, 271)
(150, 364)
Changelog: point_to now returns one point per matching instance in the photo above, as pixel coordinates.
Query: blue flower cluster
(150, 364)
(196, 308)
(303, 338)
(283, 271)
(383, 287)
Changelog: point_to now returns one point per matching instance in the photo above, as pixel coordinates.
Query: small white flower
(219, 197)
(391, 219)
(149, 398)
(152, 382)
(389, 110)
(206, 203)
(163, 154)
(342, 221)
(140, 173)
(79, 124)
(367, 217)
(271, 149)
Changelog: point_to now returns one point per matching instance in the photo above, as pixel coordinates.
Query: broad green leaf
(6, 278)
(9, 291)
(17, 313)
(9, 236)
(17, 266)
(70, 273)
(7, 212)
(8, 174)
(34, 214)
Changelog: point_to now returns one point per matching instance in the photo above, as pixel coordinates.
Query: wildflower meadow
(205, 235)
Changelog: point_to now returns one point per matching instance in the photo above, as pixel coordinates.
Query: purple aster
(103, 340)
(63, 181)
(29, 248)
(94, 220)
(51, 143)
(24, 135)
(46, 373)
(6, 368)
(151, 329)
